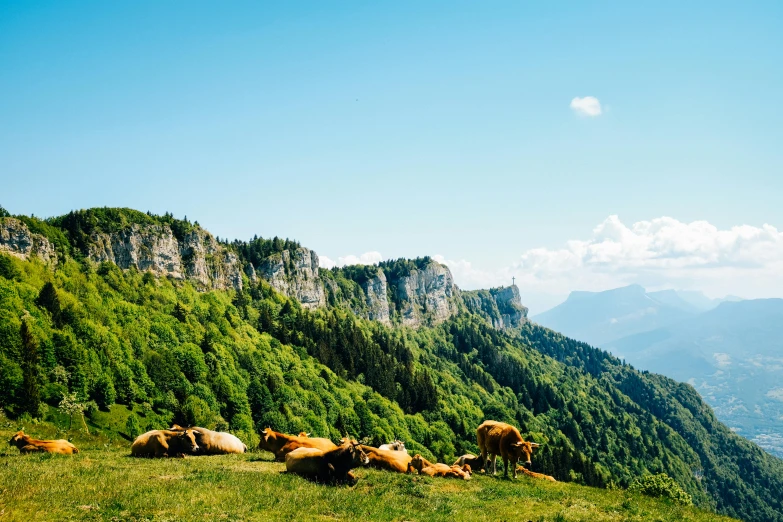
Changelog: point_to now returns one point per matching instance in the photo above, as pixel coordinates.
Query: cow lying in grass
(397, 461)
(333, 466)
(281, 444)
(214, 442)
(533, 474)
(26, 444)
(475, 463)
(165, 443)
(425, 467)
(397, 445)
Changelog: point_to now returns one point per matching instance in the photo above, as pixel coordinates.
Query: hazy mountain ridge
(733, 355)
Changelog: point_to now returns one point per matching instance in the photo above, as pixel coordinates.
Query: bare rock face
(17, 240)
(377, 298)
(198, 257)
(426, 295)
(500, 306)
(294, 273)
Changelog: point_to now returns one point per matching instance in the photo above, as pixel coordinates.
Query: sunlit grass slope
(104, 483)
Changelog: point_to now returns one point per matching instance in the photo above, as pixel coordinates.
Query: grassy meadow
(103, 483)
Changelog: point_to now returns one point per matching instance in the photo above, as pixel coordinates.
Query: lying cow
(397, 445)
(214, 442)
(533, 474)
(165, 443)
(475, 463)
(26, 444)
(281, 444)
(397, 461)
(425, 467)
(327, 466)
(499, 438)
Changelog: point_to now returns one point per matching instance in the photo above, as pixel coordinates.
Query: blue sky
(398, 127)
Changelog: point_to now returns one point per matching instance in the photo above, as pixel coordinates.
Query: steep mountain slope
(733, 355)
(599, 317)
(248, 356)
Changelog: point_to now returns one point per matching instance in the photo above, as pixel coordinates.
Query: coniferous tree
(31, 398)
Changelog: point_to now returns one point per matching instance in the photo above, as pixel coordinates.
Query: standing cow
(498, 438)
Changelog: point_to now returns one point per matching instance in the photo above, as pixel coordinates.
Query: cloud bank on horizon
(660, 253)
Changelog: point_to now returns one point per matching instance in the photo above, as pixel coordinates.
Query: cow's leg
(494, 464)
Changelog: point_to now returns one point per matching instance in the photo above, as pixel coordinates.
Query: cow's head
(417, 462)
(523, 448)
(266, 434)
(358, 456)
(188, 440)
(19, 436)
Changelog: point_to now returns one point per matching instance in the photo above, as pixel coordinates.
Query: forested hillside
(244, 356)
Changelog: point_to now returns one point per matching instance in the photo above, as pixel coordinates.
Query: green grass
(104, 483)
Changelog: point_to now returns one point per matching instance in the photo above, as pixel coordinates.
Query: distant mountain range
(600, 317)
(730, 350)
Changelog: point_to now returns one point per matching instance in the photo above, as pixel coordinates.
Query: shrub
(661, 486)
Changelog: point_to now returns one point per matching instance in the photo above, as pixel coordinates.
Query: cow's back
(151, 443)
(219, 443)
(304, 461)
(488, 436)
(389, 460)
(305, 442)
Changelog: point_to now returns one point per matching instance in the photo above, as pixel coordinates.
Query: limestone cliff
(295, 273)
(17, 240)
(501, 306)
(197, 256)
(426, 295)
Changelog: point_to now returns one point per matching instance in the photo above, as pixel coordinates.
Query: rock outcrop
(295, 273)
(500, 306)
(197, 257)
(17, 240)
(426, 296)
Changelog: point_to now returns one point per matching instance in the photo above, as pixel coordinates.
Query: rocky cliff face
(295, 273)
(501, 306)
(426, 295)
(413, 293)
(197, 257)
(17, 240)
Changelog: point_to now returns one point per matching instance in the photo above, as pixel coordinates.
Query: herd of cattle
(320, 458)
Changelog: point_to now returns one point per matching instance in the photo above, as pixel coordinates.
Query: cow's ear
(196, 432)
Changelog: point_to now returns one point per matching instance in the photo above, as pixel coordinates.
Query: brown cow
(535, 475)
(214, 442)
(499, 438)
(165, 443)
(389, 460)
(26, 444)
(425, 467)
(327, 466)
(475, 463)
(281, 444)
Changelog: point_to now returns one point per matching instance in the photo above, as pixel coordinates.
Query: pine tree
(31, 388)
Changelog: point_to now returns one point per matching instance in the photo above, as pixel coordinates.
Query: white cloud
(587, 106)
(661, 253)
(368, 258)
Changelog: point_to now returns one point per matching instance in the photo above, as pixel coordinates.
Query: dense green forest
(245, 360)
